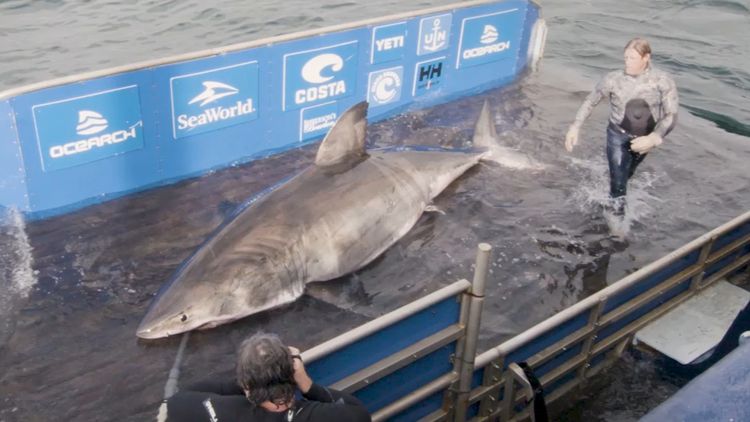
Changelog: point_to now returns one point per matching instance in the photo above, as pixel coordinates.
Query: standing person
(269, 376)
(643, 110)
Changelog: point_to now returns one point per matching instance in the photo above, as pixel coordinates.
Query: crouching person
(271, 385)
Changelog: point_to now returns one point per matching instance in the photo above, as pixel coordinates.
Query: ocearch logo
(489, 45)
(90, 122)
(489, 35)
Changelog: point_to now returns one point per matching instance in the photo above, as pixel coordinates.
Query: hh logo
(487, 38)
(428, 76)
(214, 99)
(388, 43)
(434, 33)
(315, 76)
(385, 86)
(84, 129)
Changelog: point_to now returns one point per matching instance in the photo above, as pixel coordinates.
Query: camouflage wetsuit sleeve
(602, 89)
(669, 103)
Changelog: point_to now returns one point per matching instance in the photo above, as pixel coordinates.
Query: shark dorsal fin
(484, 130)
(345, 142)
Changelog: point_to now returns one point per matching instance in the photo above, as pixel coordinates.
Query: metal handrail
(263, 42)
(384, 321)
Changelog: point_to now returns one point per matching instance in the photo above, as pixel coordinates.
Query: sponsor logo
(90, 122)
(388, 43)
(214, 99)
(83, 145)
(428, 76)
(83, 129)
(482, 40)
(385, 86)
(434, 34)
(315, 76)
(213, 91)
(316, 121)
(489, 35)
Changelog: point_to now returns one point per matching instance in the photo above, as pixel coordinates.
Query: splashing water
(17, 276)
(593, 194)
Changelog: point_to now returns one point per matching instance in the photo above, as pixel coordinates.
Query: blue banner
(154, 125)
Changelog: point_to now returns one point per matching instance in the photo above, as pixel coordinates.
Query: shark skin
(331, 219)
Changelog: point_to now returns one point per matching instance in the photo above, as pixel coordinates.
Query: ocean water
(73, 288)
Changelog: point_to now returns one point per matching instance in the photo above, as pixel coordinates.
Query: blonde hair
(640, 45)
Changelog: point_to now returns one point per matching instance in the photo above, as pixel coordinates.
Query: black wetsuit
(226, 402)
(639, 105)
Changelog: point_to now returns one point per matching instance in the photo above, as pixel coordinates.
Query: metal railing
(606, 322)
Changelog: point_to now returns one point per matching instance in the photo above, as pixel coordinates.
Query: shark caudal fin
(485, 138)
(344, 145)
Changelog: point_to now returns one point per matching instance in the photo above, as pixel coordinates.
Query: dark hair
(640, 45)
(265, 369)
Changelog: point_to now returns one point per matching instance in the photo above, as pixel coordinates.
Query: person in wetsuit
(269, 382)
(643, 110)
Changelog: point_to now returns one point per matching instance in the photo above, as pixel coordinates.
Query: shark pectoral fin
(484, 130)
(433, 208)
(345, 142)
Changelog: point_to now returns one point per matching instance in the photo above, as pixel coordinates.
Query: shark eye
(183, 318)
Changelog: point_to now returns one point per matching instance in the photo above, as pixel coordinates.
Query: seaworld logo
(212, 92)
(214, 99)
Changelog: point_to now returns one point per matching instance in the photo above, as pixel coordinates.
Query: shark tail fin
(345, 142)
(485, 135)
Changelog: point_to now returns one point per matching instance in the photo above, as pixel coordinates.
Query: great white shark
(333, 218)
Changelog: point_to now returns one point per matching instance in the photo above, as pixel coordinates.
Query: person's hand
(304, 382)
(644, 144)
(571, 138)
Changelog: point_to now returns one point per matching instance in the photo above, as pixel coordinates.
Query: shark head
(212, 289)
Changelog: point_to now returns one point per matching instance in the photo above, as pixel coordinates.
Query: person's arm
(584, 111)
(591, 101)
(670, 103)
(332, 404)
